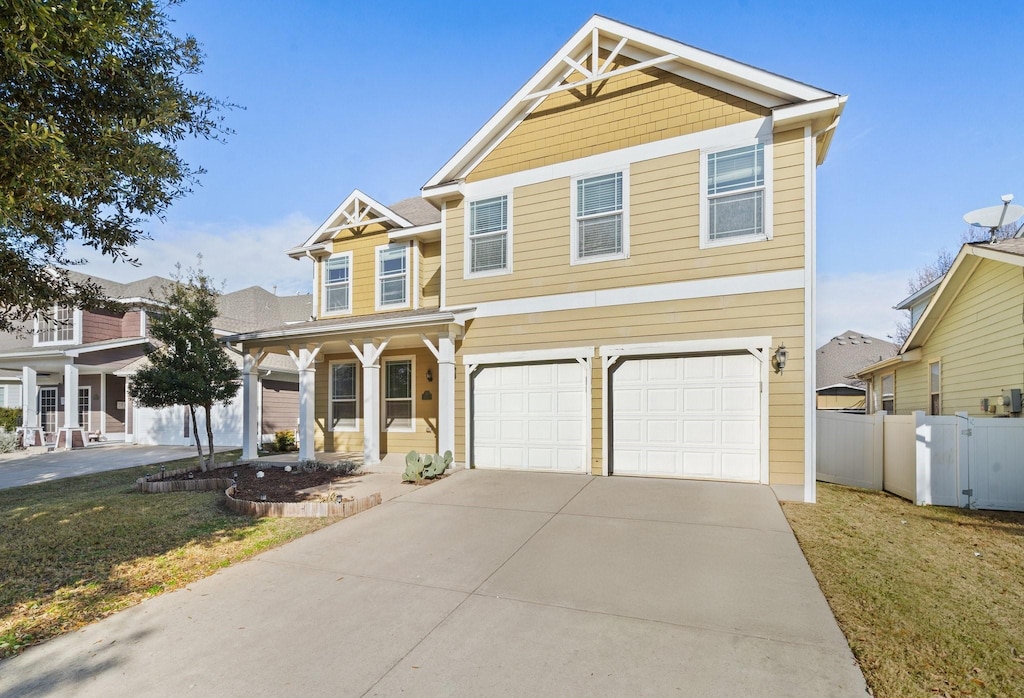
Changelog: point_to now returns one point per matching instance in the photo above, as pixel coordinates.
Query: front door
(48, 409)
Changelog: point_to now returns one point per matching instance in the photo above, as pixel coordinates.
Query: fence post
(964, 430)
(878, 451)
(923, 460)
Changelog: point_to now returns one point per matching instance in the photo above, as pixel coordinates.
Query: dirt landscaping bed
(276, 484)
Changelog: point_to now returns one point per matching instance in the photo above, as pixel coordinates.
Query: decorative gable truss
(604, 49)
(359, 214)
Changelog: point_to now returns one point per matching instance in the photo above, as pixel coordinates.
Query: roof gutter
(455, 317)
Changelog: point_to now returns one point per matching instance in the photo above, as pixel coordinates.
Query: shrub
(10, 418)
(8, 441)
(342, 467)
(284, 440)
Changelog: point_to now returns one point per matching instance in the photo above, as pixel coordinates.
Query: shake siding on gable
(978, 342)
(631, 109)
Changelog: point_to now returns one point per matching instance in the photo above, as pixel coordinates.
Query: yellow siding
(632, 109)
(363, 272)
(840, 402)
(779, 314)
(424, 439)
(430, 275)
(664, 234)
(978, 341)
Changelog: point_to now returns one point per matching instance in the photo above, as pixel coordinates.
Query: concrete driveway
(488, 583)
(22, 468)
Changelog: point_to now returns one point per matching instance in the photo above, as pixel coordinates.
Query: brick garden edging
(300, 509)
(158, 483)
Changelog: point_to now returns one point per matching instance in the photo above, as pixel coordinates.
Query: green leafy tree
(92, 107)
(189, 366)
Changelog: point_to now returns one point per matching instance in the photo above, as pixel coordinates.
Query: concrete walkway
(22, 468)
(488, 583)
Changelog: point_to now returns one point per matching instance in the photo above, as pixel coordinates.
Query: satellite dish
(994, 217)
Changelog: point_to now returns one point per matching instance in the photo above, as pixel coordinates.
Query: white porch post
(250, 403)
(103, 404)
(371, 402)
(66, 437)
(304, 360)
(446, 393)
(29, 408)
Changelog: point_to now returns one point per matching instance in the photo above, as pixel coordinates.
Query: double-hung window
(935, 388)
(344, 406)
(889, 393)
(59, 328)
(392, 276)
(488, 233)
(735, 195)
(337, 287)
(398, 392)
(600, 229)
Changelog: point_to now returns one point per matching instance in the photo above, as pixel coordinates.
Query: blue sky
(378, 96)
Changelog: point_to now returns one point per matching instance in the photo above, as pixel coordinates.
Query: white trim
(376, 276)
(418, 232)
(690, 346)
(689, 56)
(650, 293)
(467, 262)
(767, 198)
(354, 220)
(745, 131)
(528, 356)
(103, 403)
(810, 307)
(76, 329)
(88, 408)
(441, 317)
(56, 406)
(322, 264)
(444, 253)
(417, 256)
(384, 394)
(89, 349)
(574, 258)
(330, 396)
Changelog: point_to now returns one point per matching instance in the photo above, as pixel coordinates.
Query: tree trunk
(195, 434)
(209, 435)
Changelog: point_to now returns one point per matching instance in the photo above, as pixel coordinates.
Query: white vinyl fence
(949, 461)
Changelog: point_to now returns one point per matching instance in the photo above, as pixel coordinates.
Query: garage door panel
(693, 416)
(531, 416)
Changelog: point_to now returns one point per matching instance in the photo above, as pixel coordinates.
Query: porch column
(250, 403)
(29, 408)
(371, 403)
(304, 360)
(70, 436)
(446, 393)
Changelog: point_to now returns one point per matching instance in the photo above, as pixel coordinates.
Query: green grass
(78, 549)
(931, 599)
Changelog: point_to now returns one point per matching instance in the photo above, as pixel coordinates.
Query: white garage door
(531, 417)
(688, 416)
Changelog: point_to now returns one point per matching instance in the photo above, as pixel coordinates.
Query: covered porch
(374, 385)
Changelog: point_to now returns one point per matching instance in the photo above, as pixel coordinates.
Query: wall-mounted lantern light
(430, 376)
(781, 357)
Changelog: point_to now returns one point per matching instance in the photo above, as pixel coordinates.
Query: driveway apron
(488, 583)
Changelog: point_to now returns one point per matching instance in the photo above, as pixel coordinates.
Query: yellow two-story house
(615, 276)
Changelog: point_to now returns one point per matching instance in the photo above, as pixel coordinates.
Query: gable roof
(846, 354)
(581, 54)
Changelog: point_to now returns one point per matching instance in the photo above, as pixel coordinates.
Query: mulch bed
(276, 484)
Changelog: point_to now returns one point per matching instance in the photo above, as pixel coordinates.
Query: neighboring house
(85, 359)
(838, 361)
(965, 350)
(598, 282)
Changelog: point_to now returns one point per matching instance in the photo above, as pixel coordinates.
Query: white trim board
(692, 346)
(650, 293)
(529, 355)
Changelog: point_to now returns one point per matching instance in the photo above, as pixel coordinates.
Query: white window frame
(331, 399)
(769, 195)
(934, 393)
(76, 330)
(882, 393)
(384, 394)
(377, 277)
(86, 423)
(467, 240)
(574, 258)
(48, 390)
(323, 284)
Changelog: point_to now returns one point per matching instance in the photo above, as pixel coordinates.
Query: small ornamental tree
(189, 366)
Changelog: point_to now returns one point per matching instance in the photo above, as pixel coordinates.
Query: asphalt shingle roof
(846, 354)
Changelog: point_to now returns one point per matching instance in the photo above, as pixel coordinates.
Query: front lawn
(931, 598)
(78, 549)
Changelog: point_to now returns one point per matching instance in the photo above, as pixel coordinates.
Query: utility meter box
(1010, 400)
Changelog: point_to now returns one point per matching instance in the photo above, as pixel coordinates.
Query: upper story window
(337, 286)
(735, 195)
(488, 232)
(392, 276)
(600, 227)
(60, 328)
